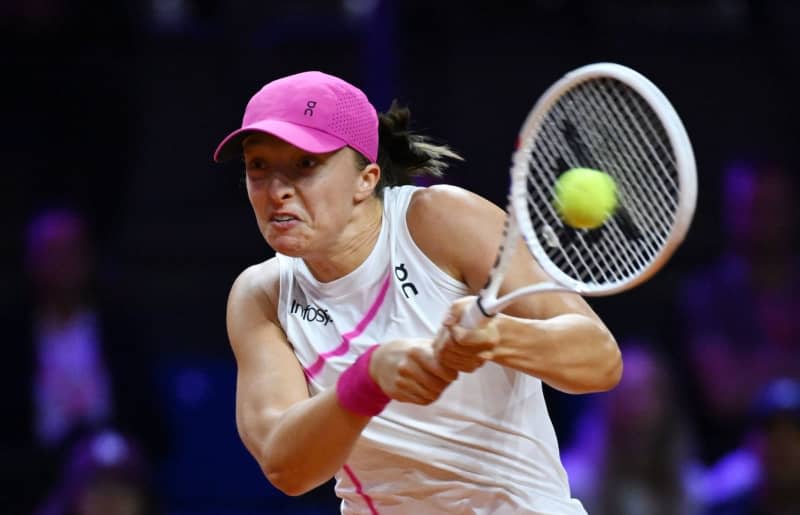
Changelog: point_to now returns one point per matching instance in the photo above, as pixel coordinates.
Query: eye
(307, 162)
(256, 168)
(255, 164)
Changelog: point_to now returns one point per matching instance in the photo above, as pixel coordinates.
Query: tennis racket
(611, 118)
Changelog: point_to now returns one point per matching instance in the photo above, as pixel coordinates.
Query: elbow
(288, 483)
(609, 371)
(614, 372)
(290, 472)
(292, 479)
(279, 473)
(602, 373)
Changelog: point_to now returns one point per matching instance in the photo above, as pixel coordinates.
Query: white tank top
(486, 446)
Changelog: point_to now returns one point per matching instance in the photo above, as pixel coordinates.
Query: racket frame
(518, 222)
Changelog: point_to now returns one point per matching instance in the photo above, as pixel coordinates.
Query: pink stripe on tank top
(360, 490)
(347, 337)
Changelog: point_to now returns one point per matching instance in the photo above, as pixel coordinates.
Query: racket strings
(603, 124)
(656, 167)
(624, 155)
(613, 152)
(604, 157)
(589, 102)
(598, 273)
(553, 159)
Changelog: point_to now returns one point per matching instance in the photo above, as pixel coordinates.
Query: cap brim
(306, 138)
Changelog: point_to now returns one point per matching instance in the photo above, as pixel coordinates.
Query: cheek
(329, 203)
(258, 198)
(252, 191)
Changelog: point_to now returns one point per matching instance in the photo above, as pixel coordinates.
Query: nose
(280, 188)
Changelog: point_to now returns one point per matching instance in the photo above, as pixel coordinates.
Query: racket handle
(474, 316)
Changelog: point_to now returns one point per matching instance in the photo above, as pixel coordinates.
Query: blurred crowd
(79, 383)
(708, 424)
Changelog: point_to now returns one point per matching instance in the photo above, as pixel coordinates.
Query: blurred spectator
(740, 314)
(73, 363)
(106, 474)
(763, 476)
(632, 453)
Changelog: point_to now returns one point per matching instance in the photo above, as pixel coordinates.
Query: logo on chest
(406, 285)
(310, 313)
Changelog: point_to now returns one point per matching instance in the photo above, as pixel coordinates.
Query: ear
(367, 179)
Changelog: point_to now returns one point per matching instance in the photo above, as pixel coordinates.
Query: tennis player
(333, 337)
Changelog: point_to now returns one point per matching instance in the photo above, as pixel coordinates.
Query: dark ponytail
(403, 155)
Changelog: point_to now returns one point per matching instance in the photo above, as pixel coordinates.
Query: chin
(291, 247)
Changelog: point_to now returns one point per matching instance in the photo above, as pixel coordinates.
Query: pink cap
(313, 111)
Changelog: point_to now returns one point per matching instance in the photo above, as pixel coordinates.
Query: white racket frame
(518, 223)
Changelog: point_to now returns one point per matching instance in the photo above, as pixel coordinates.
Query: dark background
(115, 108)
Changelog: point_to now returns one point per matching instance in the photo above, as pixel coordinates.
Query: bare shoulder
(455, 228)
(445, 197)
(253, 298)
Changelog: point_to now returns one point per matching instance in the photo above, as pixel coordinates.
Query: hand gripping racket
(606, 117)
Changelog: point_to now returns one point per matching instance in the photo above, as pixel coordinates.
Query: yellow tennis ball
(585, 198)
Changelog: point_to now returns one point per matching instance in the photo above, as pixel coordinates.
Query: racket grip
(474, 316)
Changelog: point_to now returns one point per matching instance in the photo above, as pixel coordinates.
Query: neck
(353, 246)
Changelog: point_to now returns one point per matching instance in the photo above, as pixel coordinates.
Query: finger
(463, 358)
(427, 390)
(432, 365)
(457, 310)
(437, 376)
(464, 363)
(470, 340)
(413, 386)
(415, 399)
(412, 390)
(487, 332)
(440, 341)
(427, 372)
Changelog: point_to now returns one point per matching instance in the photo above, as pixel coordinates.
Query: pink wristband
(357, 391)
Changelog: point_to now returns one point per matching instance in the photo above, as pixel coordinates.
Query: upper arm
(461, 232)
(269, 377)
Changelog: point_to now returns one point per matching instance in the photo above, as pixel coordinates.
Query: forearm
(573, 353)
(309, 443)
